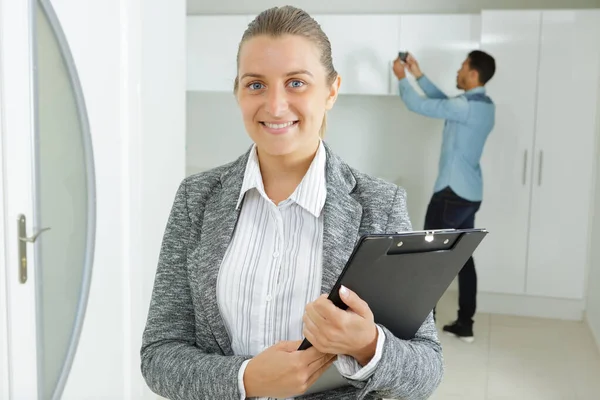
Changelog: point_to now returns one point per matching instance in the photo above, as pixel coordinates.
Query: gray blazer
(186, 351)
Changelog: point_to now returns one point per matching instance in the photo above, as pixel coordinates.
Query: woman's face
(283, 94)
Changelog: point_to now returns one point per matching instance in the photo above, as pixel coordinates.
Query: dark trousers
(448, 210)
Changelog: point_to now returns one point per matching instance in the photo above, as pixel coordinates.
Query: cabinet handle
(540, 168)
(390, 78)
(525, 167)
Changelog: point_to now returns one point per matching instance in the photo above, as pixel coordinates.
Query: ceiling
(195, 7)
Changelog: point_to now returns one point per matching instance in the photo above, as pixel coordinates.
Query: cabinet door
(512, 38)
(440, 43)
(363, 49)
(564, 153)
(212, 44)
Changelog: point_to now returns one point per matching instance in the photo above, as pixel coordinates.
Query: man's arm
(428, 87)
(455, 109)
(431, 91)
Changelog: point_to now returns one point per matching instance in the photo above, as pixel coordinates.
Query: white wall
(356, 127)
(131, 64)
(381, 6)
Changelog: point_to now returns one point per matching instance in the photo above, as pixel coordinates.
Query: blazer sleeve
(172, 365)
(408, 369)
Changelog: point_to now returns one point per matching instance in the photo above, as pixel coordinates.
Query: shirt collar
(310, 193)
(478, 89)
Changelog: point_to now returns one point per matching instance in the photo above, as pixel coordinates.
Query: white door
(363, 49)
(567, 115)
(512, 38)
(48, 183)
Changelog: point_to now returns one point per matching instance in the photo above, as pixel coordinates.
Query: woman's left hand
(335, 331)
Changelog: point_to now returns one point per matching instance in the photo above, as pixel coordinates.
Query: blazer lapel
(341, 220)
(220, 219)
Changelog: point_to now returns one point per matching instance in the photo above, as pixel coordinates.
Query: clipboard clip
(429, 235)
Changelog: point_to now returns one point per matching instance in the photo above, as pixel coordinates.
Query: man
(469, 119)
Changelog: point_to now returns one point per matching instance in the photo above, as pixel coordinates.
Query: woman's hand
(282, 371)
(335, 331)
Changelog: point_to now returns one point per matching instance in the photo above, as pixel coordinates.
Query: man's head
(476, 70)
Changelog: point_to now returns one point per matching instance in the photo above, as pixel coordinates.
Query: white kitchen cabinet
(562, 185)
(538, 162)
(512, 38)
(440, 43)
(212, 44)
(363, 49)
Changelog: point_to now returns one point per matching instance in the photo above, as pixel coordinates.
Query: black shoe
(460, 330)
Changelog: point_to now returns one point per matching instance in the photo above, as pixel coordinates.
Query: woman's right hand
(284, 371)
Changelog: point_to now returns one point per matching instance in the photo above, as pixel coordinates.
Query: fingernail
(344, 291)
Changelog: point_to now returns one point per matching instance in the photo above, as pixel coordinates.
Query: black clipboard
(402, 276)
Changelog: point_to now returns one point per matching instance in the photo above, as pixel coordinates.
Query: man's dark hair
(483, 63)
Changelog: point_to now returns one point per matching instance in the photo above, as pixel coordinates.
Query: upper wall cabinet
(212, 44)
(440, 43)
(363, 48)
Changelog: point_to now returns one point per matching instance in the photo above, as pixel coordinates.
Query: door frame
(17, 110)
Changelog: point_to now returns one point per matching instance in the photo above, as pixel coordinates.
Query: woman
(250, 246)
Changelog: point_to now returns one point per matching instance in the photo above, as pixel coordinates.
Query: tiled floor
(518, 358)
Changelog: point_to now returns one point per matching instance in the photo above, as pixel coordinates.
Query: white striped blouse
(273, 266)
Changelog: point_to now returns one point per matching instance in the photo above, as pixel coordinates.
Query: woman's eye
(255, 86)
(296, 84)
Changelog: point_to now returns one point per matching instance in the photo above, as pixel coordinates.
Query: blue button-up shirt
(469, 119)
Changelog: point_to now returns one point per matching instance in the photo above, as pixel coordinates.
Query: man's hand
(349, 332)
(413, 66)
(282, 371)
(399, 70)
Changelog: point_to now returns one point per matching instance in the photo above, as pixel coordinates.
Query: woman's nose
(277, 102)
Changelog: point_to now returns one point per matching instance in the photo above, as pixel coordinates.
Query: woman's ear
(333, 92)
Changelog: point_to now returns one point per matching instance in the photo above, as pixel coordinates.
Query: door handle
(33, 238)
(540, 168)
(525, 167)
(391, 78)
(23, 240)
